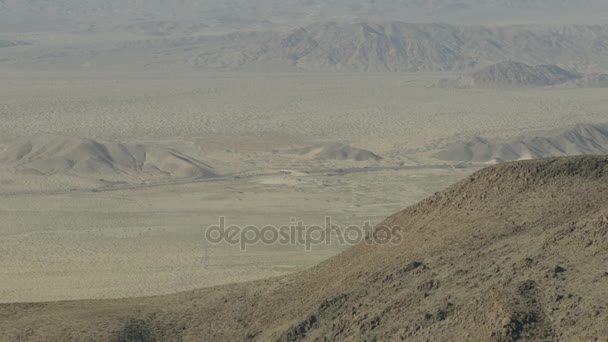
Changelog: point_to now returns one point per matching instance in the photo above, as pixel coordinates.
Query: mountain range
(333, 46)
(58, 15)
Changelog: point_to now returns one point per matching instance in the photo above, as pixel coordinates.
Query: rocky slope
(516, 252)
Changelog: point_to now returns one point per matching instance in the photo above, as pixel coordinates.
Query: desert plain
(269, 140)
(473, 133)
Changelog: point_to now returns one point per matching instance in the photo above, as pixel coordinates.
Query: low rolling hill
(55, 154)
(581, 139)
(337, 151)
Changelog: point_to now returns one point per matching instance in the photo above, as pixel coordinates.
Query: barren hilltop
(515, 252)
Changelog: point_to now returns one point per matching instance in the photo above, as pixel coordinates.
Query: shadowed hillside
(515, 252)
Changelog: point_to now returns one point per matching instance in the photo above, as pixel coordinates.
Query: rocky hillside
(516, 252)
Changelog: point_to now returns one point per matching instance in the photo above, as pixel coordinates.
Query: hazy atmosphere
(304, 170)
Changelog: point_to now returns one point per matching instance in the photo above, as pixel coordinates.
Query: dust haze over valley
(129, 128)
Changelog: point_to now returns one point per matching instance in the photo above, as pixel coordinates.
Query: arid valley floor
(70, 232)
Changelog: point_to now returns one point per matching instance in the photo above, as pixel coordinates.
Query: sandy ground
(382, 111)
(61, 240)
(151, 241)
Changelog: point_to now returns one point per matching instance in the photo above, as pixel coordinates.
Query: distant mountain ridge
(512, 74)
(353, 47)
(78, 14)
(397, 46)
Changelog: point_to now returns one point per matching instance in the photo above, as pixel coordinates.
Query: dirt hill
(55, 154)
(581, 139)
(337, 151)
(515, 252)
